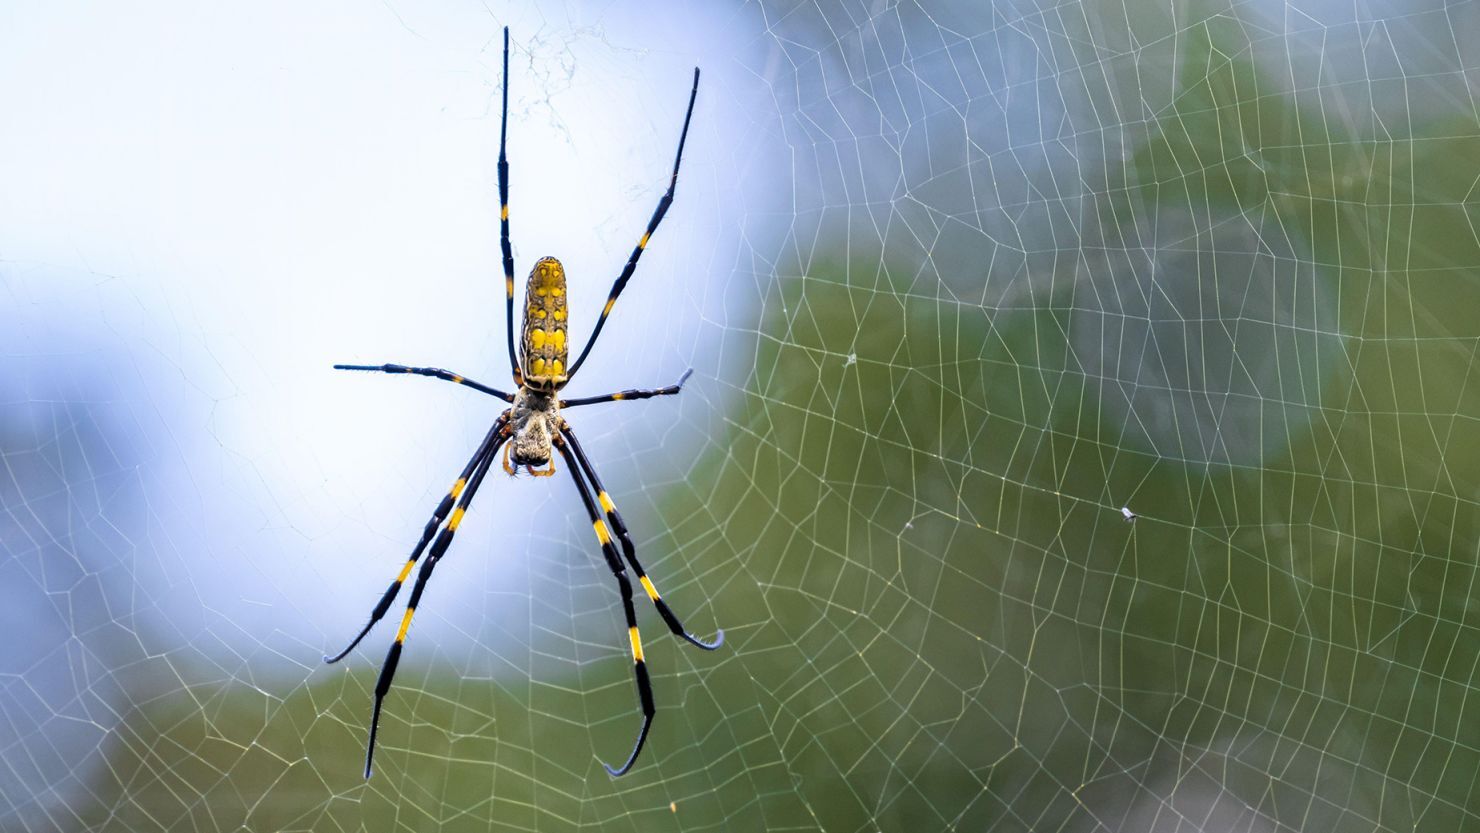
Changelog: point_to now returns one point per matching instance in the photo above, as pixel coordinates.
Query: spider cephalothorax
(534, 422)
(530, 432)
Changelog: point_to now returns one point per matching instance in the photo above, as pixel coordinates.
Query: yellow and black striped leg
(629, 551)
(439, 548)
(503, 217)
(622, 396)
(652, 226)
(639, 668)
(433, 372)
(426, 536)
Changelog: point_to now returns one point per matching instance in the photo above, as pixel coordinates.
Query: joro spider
(531, 430)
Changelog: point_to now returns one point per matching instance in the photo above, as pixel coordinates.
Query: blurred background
(963, 285)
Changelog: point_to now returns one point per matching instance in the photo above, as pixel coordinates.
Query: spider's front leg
(438, 516)
(434, 556)
(629, 551)
(639, 667)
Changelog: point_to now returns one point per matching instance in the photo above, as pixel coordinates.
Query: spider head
(533, 421)
(531, 448)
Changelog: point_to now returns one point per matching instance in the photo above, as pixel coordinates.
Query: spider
(530, 432)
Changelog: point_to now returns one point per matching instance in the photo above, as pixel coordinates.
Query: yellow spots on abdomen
(545, 324)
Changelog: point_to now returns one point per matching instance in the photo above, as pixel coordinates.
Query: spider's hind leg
(652, 226)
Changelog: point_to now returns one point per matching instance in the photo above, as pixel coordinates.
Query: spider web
(1080, 435)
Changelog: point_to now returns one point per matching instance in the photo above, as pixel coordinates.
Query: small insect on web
(530, 432)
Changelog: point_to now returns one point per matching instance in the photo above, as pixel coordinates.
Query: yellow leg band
(405, 624)
(636, 644)
(405, 571)
(457, 516)
(601, 533)
(457, 488)
(606, 501)
(647, 585)
(642, 244)
(504, 213)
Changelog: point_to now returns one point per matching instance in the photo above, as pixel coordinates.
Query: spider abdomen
(545, 324)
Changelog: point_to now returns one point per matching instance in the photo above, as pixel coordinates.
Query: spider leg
(652, 226)
(434, 372)
(503, 198)
(439, 548)
(426, 536)
(636, 393)
(639, 668)
(614, 518)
